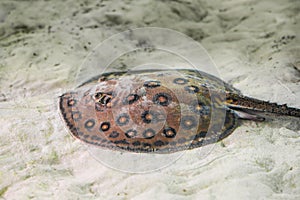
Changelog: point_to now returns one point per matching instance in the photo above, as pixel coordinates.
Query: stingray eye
(103, 98)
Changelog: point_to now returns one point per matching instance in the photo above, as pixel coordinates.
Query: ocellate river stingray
(159, 111)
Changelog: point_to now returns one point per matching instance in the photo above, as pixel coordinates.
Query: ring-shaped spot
(149, 116)
(152, 84)
(90, 123)
(130, 99)
(114, 134)
(180, 81)
(191, 89)
(123, 119)
(188, 122)
(131, 133)
(169, 132)
(76, 115)
(162, 99)
(149, 133)
(105, 126)
(71, 102)
(200, 108)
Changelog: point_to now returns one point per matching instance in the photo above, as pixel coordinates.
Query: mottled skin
(161, 111)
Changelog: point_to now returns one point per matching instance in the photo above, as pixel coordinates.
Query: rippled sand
(254, 44)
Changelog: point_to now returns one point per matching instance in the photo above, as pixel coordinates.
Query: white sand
(255, 45)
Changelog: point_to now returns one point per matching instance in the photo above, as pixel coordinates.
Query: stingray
(159, 111)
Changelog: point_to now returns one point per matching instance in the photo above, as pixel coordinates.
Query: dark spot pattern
(202, 134)
(80, 133)
(130, 99)
(146, 145)
(200, 108)
(169, 132)
(95, 137)
(123, 119)
(159, 143)
(89, 124)
(191, 89)
(149, 116)
(121, 142)
(180, 81)
(152, 84)
(173, 143)
(114, 134)
(71, 102)
(104, 141)
(181, 140)
(105, 126)
(136, 143)
(198, 137)
(86, 136)
(162, 99)
(149, 133)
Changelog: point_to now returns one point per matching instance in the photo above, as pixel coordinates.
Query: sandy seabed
(255, 45)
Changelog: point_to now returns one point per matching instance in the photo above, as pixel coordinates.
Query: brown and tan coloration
(161, 111)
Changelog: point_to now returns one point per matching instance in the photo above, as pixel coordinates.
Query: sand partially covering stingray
(254, 44)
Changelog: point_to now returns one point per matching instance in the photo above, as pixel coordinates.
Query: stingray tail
(254, 109)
